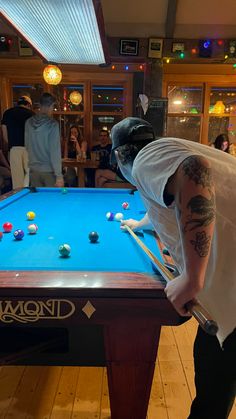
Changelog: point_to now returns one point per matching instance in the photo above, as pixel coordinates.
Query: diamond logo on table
(88, 309)
(31, 311)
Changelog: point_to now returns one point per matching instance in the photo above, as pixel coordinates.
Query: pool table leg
(131, 352)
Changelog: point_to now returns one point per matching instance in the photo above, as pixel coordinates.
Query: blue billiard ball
(19, 234)
(93, 236)
(110, 216)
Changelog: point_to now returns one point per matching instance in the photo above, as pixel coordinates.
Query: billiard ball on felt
(64, 250)
(19, 234)
(166, 251)
(64, 190)
(110, 216)
(93, 236)
(32, 228)
(125, 205)
(7, 227)
(119, 216)
(1, 235)
(30, 215)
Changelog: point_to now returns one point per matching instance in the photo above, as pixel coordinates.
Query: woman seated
(75, 148)
(222, 143)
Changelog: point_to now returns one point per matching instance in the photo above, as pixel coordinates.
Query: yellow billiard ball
(30, 215)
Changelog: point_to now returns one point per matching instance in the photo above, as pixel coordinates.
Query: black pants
(215, 376)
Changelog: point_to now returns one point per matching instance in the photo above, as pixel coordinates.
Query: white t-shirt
(152, 168)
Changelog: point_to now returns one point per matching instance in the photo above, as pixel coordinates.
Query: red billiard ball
(93, 237)
(7, 227)
(19, 234)
(125, 205)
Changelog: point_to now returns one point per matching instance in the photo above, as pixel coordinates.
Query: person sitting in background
(75, 147)
(222, 143)
(43, 143)
(5, 174)
(106, 172)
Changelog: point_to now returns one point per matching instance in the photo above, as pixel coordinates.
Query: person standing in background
(42, 141)
(13, 126)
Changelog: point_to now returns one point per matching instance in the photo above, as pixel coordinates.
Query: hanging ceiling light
(52, 74)
(62, 31)
(75, 97)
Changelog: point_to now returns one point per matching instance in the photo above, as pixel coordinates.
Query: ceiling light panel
(62, 31)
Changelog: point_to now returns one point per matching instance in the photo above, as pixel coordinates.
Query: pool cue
(194, 307)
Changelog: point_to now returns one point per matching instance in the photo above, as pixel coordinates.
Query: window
(108, 99)
(184, 127)
(186, 101)
(70, 106)
(34, 91)
(222, 112)
(103, 122)
(107, 106)
(70, 98)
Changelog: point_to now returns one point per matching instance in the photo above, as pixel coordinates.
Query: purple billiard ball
(19, 234)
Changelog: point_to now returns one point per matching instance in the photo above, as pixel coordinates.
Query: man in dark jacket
(13, 126)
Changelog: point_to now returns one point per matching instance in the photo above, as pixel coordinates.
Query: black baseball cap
(130, 130)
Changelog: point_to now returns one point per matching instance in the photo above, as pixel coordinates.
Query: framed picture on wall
(155, 48)
(129, 46)
(24, 49)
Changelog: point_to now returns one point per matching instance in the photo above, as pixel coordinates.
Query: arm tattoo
(204, 210)
(201, 244)
(197, 171)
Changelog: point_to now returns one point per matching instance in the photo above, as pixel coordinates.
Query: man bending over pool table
(190, 196)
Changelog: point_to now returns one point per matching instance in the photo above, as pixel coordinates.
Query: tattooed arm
(193, 190)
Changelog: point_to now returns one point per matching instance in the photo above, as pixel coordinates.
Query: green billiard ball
(64, 250)
(166, 252)
(64, 190)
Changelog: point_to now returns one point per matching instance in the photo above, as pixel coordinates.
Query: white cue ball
(119, 216)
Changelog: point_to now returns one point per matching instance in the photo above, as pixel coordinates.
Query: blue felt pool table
(103, 305)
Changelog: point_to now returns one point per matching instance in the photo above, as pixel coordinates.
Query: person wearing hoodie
(42, 141)
(13, 125)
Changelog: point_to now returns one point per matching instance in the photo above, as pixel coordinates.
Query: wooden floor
(82, 393)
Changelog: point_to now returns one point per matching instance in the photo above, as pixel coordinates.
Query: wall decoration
(129, 46)
(155, 48)
(178, 47)
(24, 48)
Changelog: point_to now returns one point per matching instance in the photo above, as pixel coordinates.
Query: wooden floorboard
(82, 393)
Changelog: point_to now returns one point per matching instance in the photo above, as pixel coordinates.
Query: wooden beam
(170, 18)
